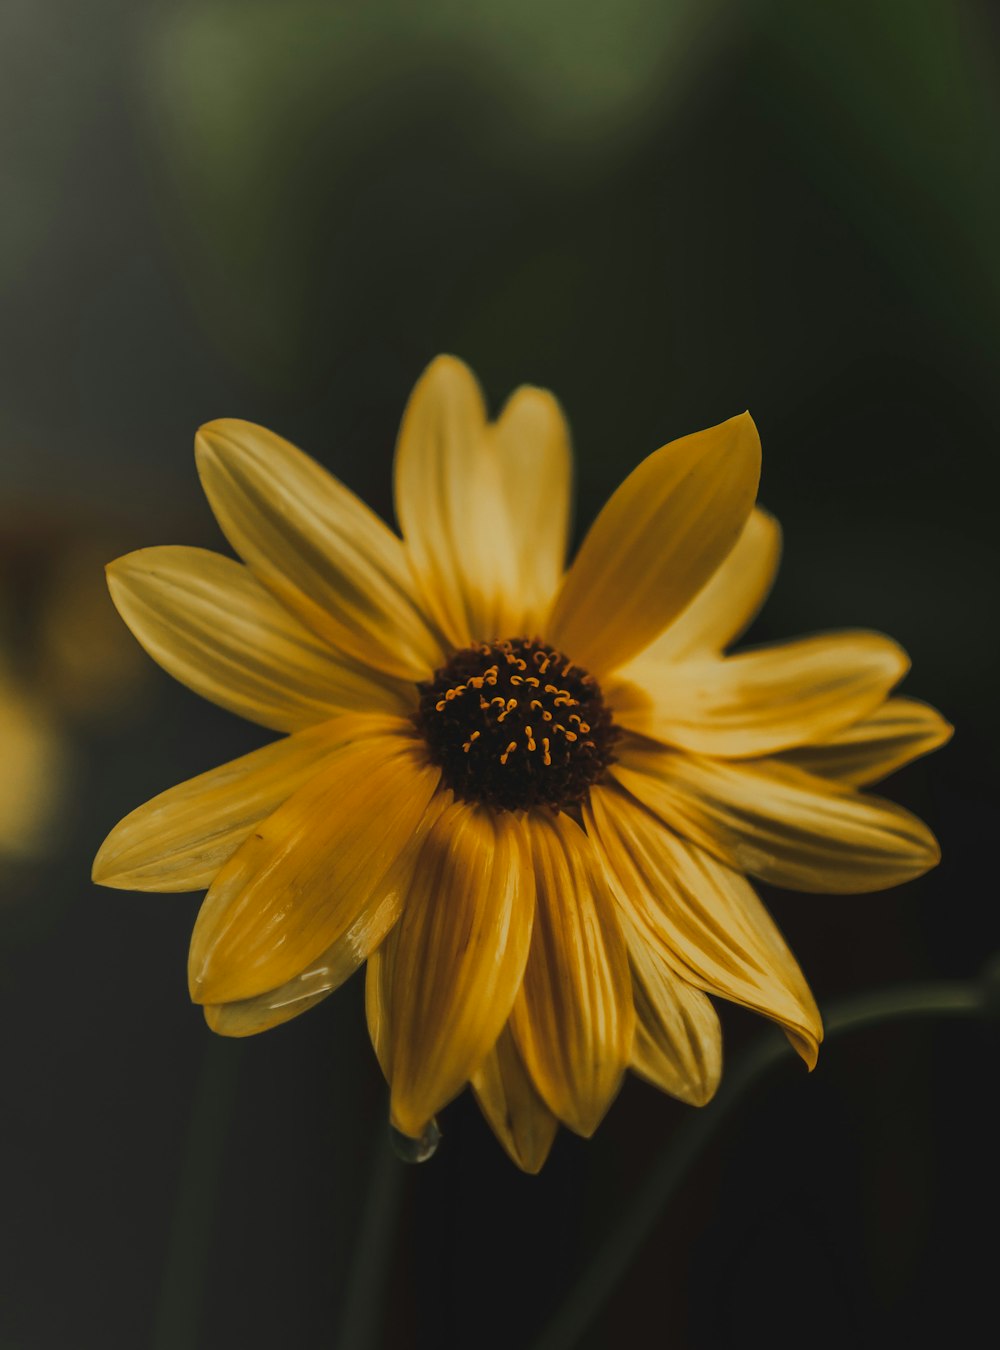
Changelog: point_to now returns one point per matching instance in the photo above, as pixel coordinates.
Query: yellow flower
(528, 798)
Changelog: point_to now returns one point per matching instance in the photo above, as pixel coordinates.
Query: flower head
(529, 799)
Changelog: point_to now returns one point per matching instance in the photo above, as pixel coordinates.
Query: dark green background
(666, 213)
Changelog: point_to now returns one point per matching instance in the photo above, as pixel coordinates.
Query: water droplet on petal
(416, 1150)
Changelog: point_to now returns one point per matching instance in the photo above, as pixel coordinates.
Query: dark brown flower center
(515, 724)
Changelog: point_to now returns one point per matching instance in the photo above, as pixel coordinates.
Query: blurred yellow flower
(34, 771)
(528, 798)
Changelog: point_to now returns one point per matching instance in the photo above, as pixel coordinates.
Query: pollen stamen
(475, 740)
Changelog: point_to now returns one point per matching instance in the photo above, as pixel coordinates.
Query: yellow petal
(211, 625)
(457, 958)
(451, 508)
(378, 990)
(760, 701)
(778, 823)
(180, 839)
(656, 543)
(899, 731)
(536, 470)
(250, 1016)
(678, 1040)
(319, 549)
(323, 867)
(730, 600)
(703, 918)
(516, 1114)
(247, 1017)
(573, 1020)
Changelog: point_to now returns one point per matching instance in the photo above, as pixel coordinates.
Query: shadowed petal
(779, 823)
(760, 701)
(178, 840)
(703, 918)
(457, 958)
(656, 543)
(516, 1114)
(573, 1020)
(678, 1040)
(316, 546)
(378, 991)
(536, 469)
(450, 503)
(899, 731)
(728, 603)
(250, 1016)
(324, 867)
(208, 622)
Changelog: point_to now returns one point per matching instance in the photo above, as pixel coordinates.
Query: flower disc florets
(515, 724)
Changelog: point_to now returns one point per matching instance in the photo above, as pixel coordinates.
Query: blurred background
(666, 212)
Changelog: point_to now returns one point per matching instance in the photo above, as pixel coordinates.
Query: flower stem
(364, 1295)
(189, 1242)
(599, 1278)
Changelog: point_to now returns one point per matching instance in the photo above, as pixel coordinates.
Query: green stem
(360, 1324)
(614, 1257)
(185, 1264)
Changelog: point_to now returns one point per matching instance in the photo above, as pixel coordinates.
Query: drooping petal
(516, 1114)
(328, 865)
(573, 1020)
(251, 1016)
(378, 991)
(178, 840)
(656, 543)
(728, 603)
(899, 731)
(703, 918)
(779, 823)
(451, 505)
(208, 622)
(678, 1040)
(457, 958)
(316, 546)
(761, 701)
(536, 469)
